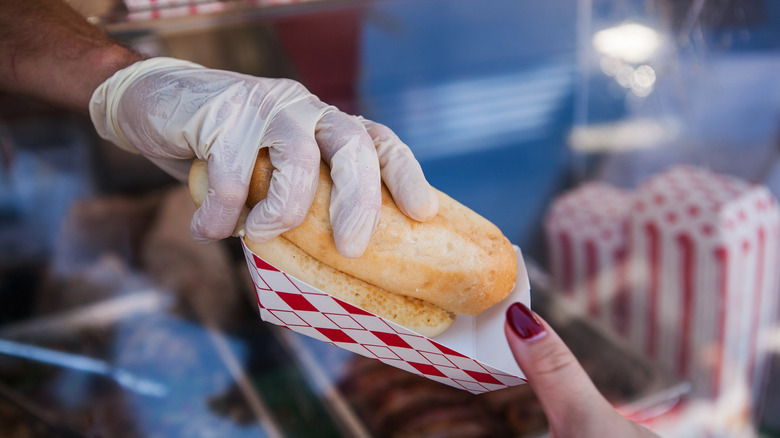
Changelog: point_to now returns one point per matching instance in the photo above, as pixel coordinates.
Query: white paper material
(472, 354)
(482, 336)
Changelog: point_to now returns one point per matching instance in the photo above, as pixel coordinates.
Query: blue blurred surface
(487, 93)
(482, 93)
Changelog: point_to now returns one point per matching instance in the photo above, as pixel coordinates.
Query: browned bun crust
(416, 315)
(412, 313)
(458, 261)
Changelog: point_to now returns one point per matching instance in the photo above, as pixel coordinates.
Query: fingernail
(524, 323)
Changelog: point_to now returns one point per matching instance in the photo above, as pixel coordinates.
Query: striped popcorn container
(704, 276)
(147, 10)
(472, 354)
(588, 243)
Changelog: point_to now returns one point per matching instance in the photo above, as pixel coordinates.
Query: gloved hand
(172, 111)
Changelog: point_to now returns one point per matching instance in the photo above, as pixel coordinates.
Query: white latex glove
(172, 111)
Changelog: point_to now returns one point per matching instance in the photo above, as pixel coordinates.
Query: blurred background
(113, 323)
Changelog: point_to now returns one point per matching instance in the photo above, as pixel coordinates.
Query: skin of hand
(573, 405)
(50, 52)
(173, 111)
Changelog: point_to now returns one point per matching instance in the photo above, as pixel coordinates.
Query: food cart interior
(113, 322)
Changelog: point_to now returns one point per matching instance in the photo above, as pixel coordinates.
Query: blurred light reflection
(622, 48)
(630, 42)
(623, 136)
(77, 362)
(642, 80)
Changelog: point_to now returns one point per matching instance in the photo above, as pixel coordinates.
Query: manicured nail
(524, 323)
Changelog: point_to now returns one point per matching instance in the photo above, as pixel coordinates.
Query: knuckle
(291, 219)
(341, 123)
(554, 361)
(231, 199)
(382, 132)
(293, 85)
(228, 195)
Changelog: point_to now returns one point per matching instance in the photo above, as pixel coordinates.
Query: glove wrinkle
(172, 111)
(296, 158)
(356, 197)
(403, 174)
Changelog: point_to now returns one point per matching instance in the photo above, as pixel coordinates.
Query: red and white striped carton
(149, 10)
(704, 274)
(472, 354)
(587, 242)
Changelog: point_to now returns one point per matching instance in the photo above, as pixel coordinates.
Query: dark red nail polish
(524, 323)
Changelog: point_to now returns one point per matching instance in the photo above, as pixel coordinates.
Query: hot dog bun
(458, 261)
(416, 315)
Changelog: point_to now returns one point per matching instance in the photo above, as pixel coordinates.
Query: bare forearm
(50, 52)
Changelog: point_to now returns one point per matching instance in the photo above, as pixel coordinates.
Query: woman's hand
(573, 405)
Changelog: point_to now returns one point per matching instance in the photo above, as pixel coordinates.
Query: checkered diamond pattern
(286, 301)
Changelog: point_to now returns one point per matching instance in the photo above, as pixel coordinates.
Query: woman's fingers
(573, 405)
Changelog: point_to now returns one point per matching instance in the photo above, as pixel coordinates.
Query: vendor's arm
(50, 52)
(172, 111)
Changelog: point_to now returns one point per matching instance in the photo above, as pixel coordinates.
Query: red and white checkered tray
(472, 354)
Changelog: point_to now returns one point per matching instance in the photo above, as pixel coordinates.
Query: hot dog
(418, 274)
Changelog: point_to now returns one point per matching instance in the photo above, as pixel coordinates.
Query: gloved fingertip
(202, 231)
(352, 249)
(354, 243)
(426, 208)
(198, 236)
(257, 233)
(202, 241)
(262, 224)
(421, 206)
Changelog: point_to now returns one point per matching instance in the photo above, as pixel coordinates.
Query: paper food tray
(472, 354)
